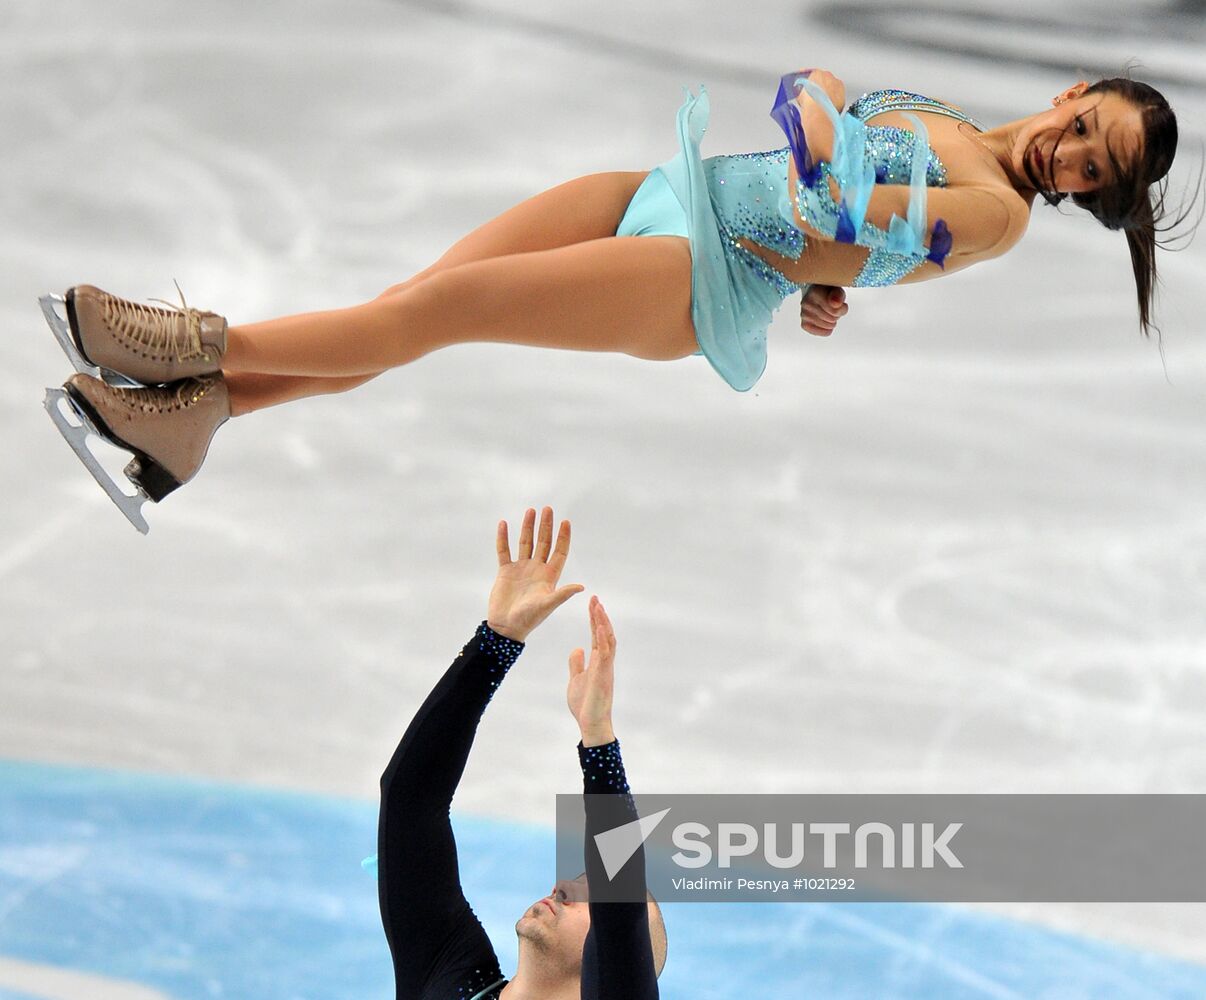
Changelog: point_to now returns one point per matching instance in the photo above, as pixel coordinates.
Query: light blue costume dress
(717, 201)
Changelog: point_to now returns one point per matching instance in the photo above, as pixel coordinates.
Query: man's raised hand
(525, 591)
(591, 687)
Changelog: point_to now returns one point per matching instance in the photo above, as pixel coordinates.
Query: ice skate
(167, 430)
(128, 344)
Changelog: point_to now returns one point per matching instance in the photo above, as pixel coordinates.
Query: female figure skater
(692, 257)
(571, 947)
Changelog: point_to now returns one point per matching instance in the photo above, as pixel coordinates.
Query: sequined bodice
(748, 192)
(879, 102)
(890, 148)
(752, 201)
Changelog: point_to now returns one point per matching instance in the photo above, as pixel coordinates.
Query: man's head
(552, 931)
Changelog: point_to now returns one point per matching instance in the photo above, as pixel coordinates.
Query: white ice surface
(960, 546)
(46, 982)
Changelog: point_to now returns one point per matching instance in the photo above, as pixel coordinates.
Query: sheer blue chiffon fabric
(732, 303)
(734, 294)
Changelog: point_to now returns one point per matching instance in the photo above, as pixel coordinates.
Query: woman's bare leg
(250, 392)
(583, 209)
(630, 295)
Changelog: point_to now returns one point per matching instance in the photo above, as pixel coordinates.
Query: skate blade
(54, 308)
(77, 437)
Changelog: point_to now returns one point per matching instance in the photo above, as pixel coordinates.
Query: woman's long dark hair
(1135, 202)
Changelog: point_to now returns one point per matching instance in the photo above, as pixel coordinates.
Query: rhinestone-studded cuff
(505, 650)
(603, 769)
(501, 653)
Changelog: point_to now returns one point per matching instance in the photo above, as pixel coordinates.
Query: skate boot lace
(179, 396)
(157, 329)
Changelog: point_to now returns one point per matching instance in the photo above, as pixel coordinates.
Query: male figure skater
(569, 947)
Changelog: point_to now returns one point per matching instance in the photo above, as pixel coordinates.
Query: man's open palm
(525, 591)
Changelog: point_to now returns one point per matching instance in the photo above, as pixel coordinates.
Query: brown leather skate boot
(128, 343)
(166, 429)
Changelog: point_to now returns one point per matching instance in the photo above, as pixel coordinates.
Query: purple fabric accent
(940, 243)
(845, 225)
(787, 115)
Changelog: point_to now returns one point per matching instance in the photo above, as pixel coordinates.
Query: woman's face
(1067, 149)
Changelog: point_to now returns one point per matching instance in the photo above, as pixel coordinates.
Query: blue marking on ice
(206, 890)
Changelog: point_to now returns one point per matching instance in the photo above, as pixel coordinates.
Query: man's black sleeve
(438, 944)
(617, 959)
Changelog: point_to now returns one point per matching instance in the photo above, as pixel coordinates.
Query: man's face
(558, 923)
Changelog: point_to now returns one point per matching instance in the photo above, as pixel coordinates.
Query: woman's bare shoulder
(950, 104)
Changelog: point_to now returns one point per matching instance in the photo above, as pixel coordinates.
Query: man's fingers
(525, 534)
(564, 594)
(606, 653)
(836, 296)
(609, 633)
(577, 663)
(503, 544)
(544, 541)
(561, 551)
